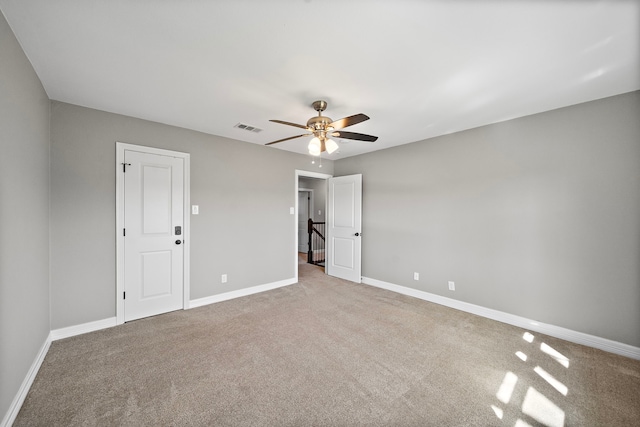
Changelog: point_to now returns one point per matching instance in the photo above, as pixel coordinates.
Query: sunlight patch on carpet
(506, 388)
(551, 380)
(559, 357)
(540, 408)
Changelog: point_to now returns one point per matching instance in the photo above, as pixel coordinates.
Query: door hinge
(124, 231)
(124, 295)
(124, 166)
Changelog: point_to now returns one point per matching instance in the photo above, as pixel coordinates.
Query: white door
(153, 230)
(303, 221)
(345, 227)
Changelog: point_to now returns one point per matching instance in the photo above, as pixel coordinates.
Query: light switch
(292, 211)
(319, 212)
(194, 209)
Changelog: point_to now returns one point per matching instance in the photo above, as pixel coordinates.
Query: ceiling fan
(322, 127)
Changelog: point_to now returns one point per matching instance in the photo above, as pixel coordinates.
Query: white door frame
(120, 149)
(306, 174)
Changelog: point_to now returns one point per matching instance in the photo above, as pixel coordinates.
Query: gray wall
(24, 216)
(319, 187)
(244, 191)
(538, 216)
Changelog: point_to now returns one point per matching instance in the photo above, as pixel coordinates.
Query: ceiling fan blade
(286, 139)
(349, 121)
(289, 124)
(353, 135)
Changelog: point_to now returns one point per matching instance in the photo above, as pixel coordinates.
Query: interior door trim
(121, 147)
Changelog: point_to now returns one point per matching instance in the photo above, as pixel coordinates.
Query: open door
(345, 227)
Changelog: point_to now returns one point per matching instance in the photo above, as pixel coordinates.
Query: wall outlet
(452, 286)
(416, 276)
(223, 278)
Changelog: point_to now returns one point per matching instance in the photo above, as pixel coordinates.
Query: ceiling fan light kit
(322, 127)
(315, 148)
(330, 145)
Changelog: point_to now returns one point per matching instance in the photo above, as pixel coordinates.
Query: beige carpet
(326, 352)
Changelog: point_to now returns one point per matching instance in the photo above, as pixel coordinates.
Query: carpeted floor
(326, 352)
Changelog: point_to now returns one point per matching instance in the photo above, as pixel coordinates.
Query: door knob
(358, 234)
(178, 242)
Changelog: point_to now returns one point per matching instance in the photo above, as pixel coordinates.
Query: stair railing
(316, 242)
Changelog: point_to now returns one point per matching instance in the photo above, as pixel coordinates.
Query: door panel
(156, 192)
(345, 221)
(344, 199)
(343, 253)
(153, 254)
(156, 274)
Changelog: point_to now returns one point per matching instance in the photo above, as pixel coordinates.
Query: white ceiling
(419, 69)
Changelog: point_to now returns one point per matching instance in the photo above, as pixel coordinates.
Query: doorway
(343, 216)
(316, 185)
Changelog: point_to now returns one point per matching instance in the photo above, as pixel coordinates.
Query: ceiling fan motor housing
(320, 123)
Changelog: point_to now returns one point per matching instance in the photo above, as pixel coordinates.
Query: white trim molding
(240, 293)
(72, 331)
(511, 319)
(18, 400)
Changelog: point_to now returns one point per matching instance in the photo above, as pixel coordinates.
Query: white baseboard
(522, 322)
(240, 293)
(58, 334)
(18, 400)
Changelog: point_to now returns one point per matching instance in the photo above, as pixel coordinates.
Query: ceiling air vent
(248, 128)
